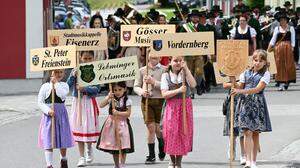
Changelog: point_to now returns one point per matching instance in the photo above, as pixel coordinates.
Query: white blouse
(252, 31)
(164, 84)
(278, 30)
(61, 90)
(266, 78)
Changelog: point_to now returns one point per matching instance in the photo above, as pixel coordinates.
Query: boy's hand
(145, 94)
(149, 80)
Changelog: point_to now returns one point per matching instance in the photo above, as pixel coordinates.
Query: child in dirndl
(176, 142)
(63, 137)
(253, 116)
(118, 118)
(88, 130)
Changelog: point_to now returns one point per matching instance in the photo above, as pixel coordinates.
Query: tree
(255, 3)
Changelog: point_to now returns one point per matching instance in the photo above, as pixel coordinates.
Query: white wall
(34, 32)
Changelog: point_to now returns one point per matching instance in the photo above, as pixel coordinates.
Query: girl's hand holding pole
(51, 113)
(78, 87)
(110, 95)
(182, 89)
(74, 73)
(236, 91)
(53, 79)
(184, 66)
(115, 112)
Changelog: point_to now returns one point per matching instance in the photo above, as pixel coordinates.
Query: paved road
(19, 121)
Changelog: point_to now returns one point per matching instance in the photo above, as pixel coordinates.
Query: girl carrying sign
(253, 116)
(88, 131)
(118, 117)
(63, 135)
(176, 143)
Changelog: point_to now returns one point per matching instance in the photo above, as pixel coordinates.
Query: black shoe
(207, 89)
(286, 86)
(162, 156)
(150, 160)
(200, 91)
(63, 164)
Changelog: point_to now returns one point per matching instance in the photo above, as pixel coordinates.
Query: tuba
(113, 39)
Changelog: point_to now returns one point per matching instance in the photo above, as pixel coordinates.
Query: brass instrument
(113, 39)
(268, 22)
(233, 21)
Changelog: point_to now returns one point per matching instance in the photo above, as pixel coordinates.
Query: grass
(104, 4)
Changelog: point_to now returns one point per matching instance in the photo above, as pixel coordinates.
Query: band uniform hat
(195, 12)
(287, 3)
(282, 15)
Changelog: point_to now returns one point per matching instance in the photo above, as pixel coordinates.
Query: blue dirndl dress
(252, 109)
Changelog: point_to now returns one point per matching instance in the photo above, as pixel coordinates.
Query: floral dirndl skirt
(253, 113)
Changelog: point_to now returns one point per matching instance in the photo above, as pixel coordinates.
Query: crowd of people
(258, 25)
(277, 31)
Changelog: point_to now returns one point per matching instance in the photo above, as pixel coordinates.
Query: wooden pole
(180, 13)
(117, 134)
(147, 86)
(79, 114)
(232, 79)
(53, 118)
(184, 122)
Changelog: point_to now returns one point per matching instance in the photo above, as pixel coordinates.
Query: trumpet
(113, 39)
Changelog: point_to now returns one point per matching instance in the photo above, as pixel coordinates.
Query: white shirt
(278, 30)
(61, 90)
(164, 84)
(252, 31)
(266, 78)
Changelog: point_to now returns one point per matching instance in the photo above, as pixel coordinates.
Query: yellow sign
(232, 58)
(108, 71)
(220, 77)
(84, 39)
(138, 35)
(183, 44)
(51, 58)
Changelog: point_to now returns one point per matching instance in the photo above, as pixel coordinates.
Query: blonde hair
(263, 55)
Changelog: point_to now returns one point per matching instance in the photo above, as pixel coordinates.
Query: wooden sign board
(108, 71)
(138, 35)
(220, 77)
(84, 39)
(183, 44)
(232, 58)
(51, 58)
